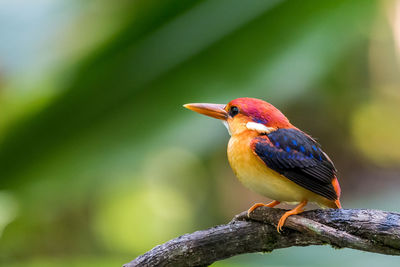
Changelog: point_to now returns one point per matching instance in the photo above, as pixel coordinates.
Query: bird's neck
(240, 142)
(245, 134)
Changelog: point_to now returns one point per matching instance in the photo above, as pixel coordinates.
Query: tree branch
(368, 230)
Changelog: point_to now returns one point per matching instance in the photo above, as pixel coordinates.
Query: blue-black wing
(298, 157)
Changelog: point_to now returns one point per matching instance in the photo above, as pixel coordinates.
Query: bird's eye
(233, 111)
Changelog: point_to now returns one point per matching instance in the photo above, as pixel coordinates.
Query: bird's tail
(336, 186)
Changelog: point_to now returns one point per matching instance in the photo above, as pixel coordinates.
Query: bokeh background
(99, 161)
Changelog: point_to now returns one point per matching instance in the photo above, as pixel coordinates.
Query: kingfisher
(274, 158)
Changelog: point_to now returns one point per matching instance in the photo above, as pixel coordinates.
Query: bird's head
(244, 114)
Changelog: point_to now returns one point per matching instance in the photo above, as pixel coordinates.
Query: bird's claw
(254, 207)
(280, 225)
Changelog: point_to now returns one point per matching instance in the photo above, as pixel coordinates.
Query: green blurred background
(99, 161)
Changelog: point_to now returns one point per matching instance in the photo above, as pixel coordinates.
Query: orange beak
(213, 110)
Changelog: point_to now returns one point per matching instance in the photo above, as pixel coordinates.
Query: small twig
(368, 230)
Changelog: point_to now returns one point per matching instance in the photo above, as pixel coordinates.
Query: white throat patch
(261, 128)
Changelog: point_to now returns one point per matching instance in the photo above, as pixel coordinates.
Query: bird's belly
(255, 175)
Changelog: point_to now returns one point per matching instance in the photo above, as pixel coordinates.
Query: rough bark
(368, 230)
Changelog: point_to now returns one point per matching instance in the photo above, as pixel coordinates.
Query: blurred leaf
(376, 131)
(110, 108)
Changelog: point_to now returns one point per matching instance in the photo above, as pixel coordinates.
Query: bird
(273, 158)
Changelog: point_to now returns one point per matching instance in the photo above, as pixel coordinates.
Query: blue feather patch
(298, 157)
